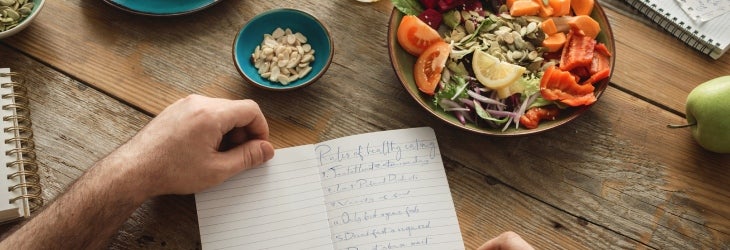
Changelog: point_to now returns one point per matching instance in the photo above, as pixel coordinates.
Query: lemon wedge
(493, 73)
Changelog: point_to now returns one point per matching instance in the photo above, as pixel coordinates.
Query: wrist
(123, 173)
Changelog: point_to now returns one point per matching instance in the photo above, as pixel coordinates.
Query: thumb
(248, 155)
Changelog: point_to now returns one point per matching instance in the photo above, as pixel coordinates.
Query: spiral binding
(681, 31)
(26, 174)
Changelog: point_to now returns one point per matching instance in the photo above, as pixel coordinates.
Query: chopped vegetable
(431, 17)
(582, 7)
(533, 116)
(430, 64)
(524, 8)
(415, 35)
(561, 7)
(548, 26)
(545, 9)
(554, 42)
(586, 25)
(577, 52)
(559, 85)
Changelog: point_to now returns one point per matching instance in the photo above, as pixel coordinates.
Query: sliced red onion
(484, 99)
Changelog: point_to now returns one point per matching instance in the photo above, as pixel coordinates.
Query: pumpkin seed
(12, 12)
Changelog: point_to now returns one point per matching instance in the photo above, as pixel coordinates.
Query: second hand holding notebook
(378, 190)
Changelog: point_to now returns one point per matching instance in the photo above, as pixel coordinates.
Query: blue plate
(252, 34)
(162, 7)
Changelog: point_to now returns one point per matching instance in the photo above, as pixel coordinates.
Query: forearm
(88, 214)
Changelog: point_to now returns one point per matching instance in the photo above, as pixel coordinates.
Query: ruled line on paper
(455, 239)
(279, 203)
(260, 192)
(392, 181)
(358, 200)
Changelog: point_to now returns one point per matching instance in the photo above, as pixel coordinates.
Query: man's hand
(179, 152)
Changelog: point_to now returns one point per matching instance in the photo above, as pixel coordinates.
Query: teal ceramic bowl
(162, 7)
(252, 34)
(403, 62)
(25, 22)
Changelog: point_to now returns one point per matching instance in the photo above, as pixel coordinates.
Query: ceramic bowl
(403, 62)
(162, 7)
(252, 35)
(25, 22)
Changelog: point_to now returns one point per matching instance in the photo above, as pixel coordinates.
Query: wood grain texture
(614, 178)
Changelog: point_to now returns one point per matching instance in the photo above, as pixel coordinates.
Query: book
(21, 191)
(711, 37)
(379, 190)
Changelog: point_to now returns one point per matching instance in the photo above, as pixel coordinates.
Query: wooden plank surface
(615, 178)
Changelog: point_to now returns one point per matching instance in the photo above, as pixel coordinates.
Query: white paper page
(278, 205)
(388, 190)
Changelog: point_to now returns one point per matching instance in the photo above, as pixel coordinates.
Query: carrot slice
(586, 25)
(545, 10)
(548, 27)
(554, 42)
(577, 52)
(560, 7)
(524, 8)
(582, 7)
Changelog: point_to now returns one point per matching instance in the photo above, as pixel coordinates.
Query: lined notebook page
(381, 190)
(388, 190)
(278, 205)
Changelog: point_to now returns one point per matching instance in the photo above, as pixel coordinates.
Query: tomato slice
(430, 64)
(415, 35)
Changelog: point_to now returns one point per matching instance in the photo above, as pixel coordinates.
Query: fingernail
(268, 150)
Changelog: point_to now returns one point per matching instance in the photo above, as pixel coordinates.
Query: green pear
(708, 114)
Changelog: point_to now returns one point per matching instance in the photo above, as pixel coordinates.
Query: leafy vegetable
(408, 7)
(453, 90)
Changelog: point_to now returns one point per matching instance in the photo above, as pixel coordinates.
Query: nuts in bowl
(502, 70)
(283, 49)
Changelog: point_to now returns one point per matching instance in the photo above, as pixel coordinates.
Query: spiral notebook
(381, 190)
(20, 194)
(711, 37)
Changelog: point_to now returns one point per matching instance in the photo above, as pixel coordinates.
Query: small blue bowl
(252, 34)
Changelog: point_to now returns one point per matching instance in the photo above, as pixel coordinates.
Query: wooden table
(614, 178)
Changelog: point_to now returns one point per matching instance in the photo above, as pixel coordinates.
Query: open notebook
(711, 37)
(379, 190)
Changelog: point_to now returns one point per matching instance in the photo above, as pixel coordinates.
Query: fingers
(506, 241)
(247, 155)
(245, 114)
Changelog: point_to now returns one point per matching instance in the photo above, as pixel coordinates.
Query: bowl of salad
(502, 67)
